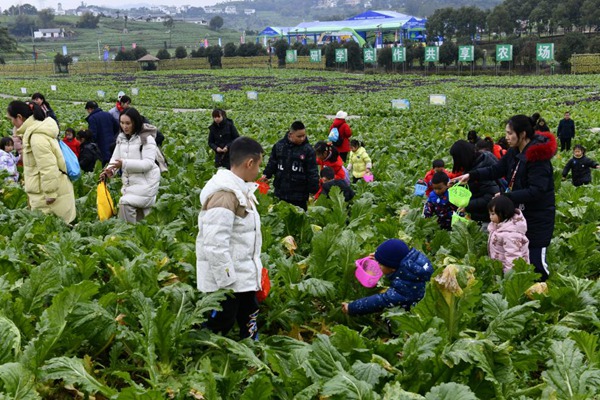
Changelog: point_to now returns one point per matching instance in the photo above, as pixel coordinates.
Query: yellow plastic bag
(106, 207)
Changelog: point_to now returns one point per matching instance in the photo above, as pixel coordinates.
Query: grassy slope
(150, 35)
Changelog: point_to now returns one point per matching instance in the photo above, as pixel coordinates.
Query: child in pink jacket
(507, 228)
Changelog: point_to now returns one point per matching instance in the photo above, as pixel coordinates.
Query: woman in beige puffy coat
(135, 155)
(44, 170)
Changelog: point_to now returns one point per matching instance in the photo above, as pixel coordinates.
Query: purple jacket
(507, 240)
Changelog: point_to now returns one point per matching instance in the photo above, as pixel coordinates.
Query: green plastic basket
(458, 219)
(459, 195)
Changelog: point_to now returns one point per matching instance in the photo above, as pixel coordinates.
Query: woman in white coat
(135, 156)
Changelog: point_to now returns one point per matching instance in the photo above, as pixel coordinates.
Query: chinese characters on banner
(315, 56)
(369, 56)
(466, 53)
(432, 54)
(398, 54)
(504, 52)
(341, 55)
(291, 56)
(544, 51)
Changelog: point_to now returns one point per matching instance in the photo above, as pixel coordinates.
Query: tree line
(516, 17)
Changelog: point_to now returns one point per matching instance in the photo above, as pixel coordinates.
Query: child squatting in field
(408, 271)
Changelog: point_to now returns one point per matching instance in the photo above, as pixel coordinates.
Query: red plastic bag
(263, 187)
(262, 294)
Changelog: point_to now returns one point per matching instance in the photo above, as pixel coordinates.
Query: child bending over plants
(580, 165)
(408, 271)
(328, 181)
(438, 203)
(507, 241)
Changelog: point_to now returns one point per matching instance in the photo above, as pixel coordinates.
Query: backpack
(71, 161)
(334, 135)
(160, 160)
(335, 138)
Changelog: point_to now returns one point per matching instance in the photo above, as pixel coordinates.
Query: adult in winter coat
(408, 271)
(581, 166)
(529, 173)
(342, 145)
(229, 240)
(104, 128)
(135, 156)
(40, 100)
(566, 132)
(294, 164)
(123, 102)
(45, 172)
(466, 158)
(222, 132)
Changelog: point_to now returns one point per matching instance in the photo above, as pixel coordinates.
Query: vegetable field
(110, 311)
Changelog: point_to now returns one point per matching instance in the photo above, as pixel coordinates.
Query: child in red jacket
(438, 165)
(328, 156)
(71, 141)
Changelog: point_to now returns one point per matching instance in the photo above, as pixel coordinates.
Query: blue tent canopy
(378, 15)
(275, 31)
(369, 21)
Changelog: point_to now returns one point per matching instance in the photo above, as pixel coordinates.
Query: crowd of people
(123, 142)
(511, 185)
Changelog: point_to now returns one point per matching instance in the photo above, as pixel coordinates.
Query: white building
(249, 11)
(213, 10)
(230, 10)
(59, 10)
(49, 33)
(327, 4)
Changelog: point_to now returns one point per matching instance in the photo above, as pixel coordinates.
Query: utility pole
(33, 45)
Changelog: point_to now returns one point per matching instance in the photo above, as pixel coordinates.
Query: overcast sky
(68, 4)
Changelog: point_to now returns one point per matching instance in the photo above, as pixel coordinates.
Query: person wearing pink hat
(342, 145)
(408, 271)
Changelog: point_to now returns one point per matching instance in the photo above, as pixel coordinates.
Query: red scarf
(119, 107)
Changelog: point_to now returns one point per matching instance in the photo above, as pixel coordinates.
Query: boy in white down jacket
(507, 240)
(229, 240)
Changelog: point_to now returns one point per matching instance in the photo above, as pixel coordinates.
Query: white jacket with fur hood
(141, 175)
(229, 237)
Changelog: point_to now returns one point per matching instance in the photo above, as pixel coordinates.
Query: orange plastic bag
(262, 294)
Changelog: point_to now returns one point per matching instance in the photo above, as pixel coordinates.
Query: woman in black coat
(221, 134)
(466, 158)
(529, 173)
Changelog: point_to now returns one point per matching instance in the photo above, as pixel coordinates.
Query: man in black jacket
(294, 164)
(566, 132)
